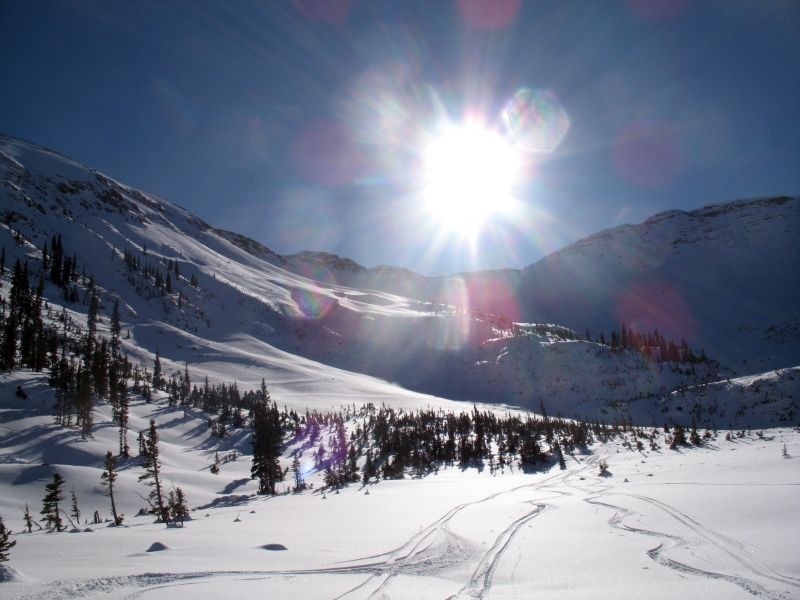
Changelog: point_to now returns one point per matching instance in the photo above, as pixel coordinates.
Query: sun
(470, 173)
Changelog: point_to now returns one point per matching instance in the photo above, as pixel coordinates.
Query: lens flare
(470, 173)
(313, 304)
(536, 120)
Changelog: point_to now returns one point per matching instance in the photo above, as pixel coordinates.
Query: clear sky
(439, 135)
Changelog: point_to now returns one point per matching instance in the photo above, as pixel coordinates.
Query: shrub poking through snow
(603, 465)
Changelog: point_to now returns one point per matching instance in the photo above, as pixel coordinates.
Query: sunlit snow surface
(719, 522)
(714, 522)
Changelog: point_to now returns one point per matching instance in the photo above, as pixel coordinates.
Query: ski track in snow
(733, 548)
(436, 550)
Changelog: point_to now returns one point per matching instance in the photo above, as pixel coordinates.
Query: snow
(251, 318)
(711, 522)
(717, 521)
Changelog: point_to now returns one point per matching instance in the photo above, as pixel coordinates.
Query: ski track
(437, 549)
(442, 551)
(727, 545)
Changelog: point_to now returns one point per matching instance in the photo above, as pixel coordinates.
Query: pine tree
(5, 545)
(178, 506)
(152, 475)
(124, 449)
(369, 468)
(84, 398)
(215, 466)
(116, 329)
(678, 437)
(107, 479)
(157, 378)
(267, 439)
(91, 320)
(694, 436)
(299, 482)
(51, 513)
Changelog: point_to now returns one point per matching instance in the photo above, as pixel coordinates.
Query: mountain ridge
(251, 316)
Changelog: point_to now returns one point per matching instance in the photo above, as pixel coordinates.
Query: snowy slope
(251, 318)
(712, 522)
(724, 276)
(716, 521)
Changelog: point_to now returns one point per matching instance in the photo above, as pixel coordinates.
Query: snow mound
(158, 547)
(88, 530)
(75, 530)
(274, 547)
(8, 573)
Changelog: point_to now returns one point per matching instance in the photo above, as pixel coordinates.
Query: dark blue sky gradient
(210, 106)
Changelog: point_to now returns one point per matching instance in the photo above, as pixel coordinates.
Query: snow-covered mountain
(315, 320)
(710, 519)
(723, 276)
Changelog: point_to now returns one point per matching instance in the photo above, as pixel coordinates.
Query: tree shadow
(228, 501)
(233, 485)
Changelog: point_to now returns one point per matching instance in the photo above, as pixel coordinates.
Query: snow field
(713, 522)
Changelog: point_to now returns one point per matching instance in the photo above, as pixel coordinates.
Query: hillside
(722, 276)
(235, 314)
(393, 486)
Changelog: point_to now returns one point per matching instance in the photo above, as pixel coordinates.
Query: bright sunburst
(470, 172)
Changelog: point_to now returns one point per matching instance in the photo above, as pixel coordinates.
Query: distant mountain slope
(724, 276)
(313, 321)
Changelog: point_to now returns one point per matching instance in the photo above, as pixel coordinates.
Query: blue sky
(303, 123)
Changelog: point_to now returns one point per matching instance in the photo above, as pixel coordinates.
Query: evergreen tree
(369, 468)
(178, 507)
(84, 399)
(124, 449)
(51, 513)
(157, 377)
(5, 545)
(694, 436)
(91, 320)
(116, 329)
(267, 439)
(152, 475)
(678, 437)
(299, 482)
(8, 352)
(107, 480)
